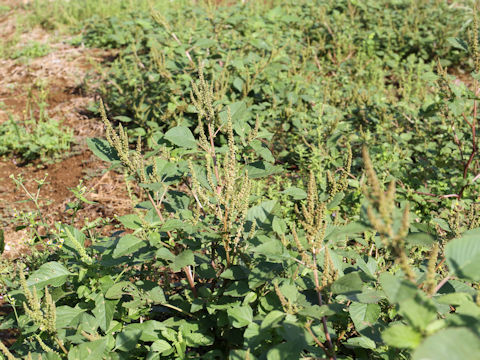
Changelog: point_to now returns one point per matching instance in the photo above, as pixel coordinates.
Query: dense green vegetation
(36, 135)
(309, 187)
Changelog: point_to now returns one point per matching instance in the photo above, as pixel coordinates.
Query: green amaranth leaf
(240, 316)
(296, 193)
(349, 283)
(102, 149)
(181, 136)
(397, 289)
(127, 245)
(279, 225)
(418, 311)
(92, 350)
(259, 169)
(463, 255)
(68, 316)
(401, 336)
(52, 273)
(360, 342)
(130, 221)
(127, 339)
(119, 289)
(104, 311)
(183, 259)
(364, 315)
(449, 344)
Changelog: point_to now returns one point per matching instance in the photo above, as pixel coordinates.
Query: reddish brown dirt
(63, 72)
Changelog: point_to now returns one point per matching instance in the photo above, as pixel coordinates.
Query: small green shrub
(208, 270)
(307, 178)
(318, 75)
(70, 15)
(31, 50)
(4, 9)
(36, 135)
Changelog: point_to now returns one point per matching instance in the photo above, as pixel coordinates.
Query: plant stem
(331, 349)
(441, 283)
(60, 344)
(187, 270)
(214, 157)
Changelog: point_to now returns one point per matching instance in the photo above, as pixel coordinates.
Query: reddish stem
(331, 352)
(187, 270)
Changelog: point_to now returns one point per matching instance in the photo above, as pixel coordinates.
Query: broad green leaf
(449, 344)
(172, 224)
(127, 339)
(290, 291)
(237, 289)
(68, 316)
(272, 248)
(455, 299)
(127, 245)
(240, 316)
(369, 266)
(51, 356)
(183, 259)
(235, 272)
(150, 329)
(238, 113)
(419, 239)
(165, 254)
(131, 221)
(349, 283)
(161, 346)
(342, 232)
(364, 315)
(397, 289)
(181, 136)
(92, 350)
(458, 43)
(360, 342)
(296, 193)
(123, 118)
(119, 289)
(463, 255)
(156, 295)
(102, 149)
(261, 212)
(283, 351)
(337, 199)
(238, 354)
(104, 311)
(367, 296)
(52, 273)
(205, 43)
(272, 319)
(279, 225)
(238, 84)
(418, 311)
(197, 339)
(293, 333)
(87, 323)
(316, 311)
(262, 150)
(261, 169)
(401, 336)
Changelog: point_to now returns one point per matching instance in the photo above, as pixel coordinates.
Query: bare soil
(64, 71)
